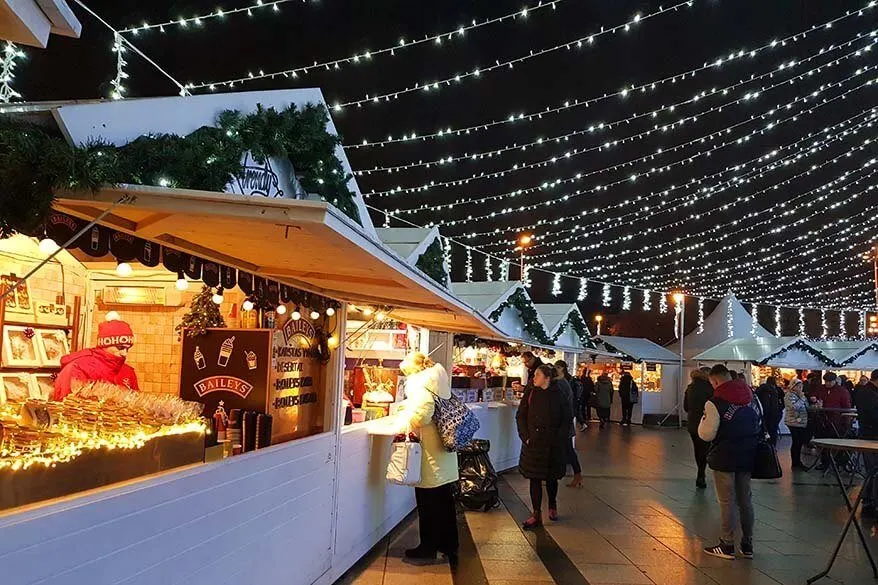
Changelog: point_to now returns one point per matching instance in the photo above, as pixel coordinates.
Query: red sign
(223, 384)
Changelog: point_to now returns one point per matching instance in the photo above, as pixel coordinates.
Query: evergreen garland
(799, 344)
(432, 263)
(36, 161)
(203, 314)
(574, 320)
(519, 301)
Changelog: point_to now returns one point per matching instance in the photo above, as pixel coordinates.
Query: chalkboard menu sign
(229, 365)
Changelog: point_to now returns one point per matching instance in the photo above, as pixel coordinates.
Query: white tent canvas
(729, 320)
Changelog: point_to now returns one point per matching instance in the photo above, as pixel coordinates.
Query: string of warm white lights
(583, 290)
(201, 19)
(599, 126)
(606, 295)
(117, 83)
(508, 64)
(659, 170)
(825, 191)
(725, 58)
(367, 55)
(700, 315)
(489, 270)
(778, 322)
(11, 53)
(556, 285)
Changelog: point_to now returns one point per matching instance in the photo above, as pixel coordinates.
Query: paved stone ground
(640, 521)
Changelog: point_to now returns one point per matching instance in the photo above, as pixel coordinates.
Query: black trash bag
(477, 487)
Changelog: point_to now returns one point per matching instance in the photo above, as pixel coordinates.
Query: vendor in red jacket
(105, 363)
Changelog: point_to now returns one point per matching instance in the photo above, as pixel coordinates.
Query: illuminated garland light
(626, 298)
(606, 297)
(431, 86)
(730, 320)
(526, 277)
(361, 57)
(504, 270)
(777, 323)
(446, 254)
(469, 264)
(754, 319)
(198, 21)
(7, 72)
(824, 324)
(489, 270)
(732, 55)
(583, 290)
(832, 133)
(700, 315)
(802, 329)
(647, 301)
(556, 285)
(663, 303)
(861, 324)
(118, 91)
(600, 126)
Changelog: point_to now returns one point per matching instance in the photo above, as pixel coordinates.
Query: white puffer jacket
(438, 466)
(795, 406)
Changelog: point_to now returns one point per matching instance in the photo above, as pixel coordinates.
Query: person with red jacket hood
(105, 362)
(732, 423)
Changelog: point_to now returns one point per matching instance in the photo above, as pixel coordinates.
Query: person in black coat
(771, 398)
(585, 402)
(698, 392)
(543, 419)
(628, 393)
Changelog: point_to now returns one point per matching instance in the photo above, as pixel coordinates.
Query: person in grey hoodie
(604, 398)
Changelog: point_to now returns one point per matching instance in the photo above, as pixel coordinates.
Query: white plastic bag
(404, 467)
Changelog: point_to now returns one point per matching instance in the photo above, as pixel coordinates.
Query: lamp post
(873, 256)
(680, 300)
(524, 241)
(598, 319)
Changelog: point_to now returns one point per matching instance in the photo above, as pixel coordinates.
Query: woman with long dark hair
(544, 418)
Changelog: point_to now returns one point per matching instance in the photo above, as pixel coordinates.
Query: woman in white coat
(437, 513)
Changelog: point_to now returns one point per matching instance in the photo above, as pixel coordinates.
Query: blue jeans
(734, 497)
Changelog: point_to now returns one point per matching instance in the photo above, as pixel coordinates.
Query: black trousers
(437, 518)
(627, 411)
(800, 436)
(536, 493)
(572, 457)
(701, 449)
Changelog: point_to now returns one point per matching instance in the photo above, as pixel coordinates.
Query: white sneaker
(583, 427)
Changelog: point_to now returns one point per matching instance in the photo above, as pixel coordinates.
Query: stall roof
(636, 349)
(485, 296)
(863, 358)
(839, 350)
(306, 244)
(409, 243)
(30, 22)
(728, 320)
(555, 314)
(793, 352)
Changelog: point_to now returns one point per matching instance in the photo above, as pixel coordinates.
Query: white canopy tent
(781, 352)
(728, 320)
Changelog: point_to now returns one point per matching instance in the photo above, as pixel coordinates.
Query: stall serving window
(376, 344)
(122, 358)
(648, 376)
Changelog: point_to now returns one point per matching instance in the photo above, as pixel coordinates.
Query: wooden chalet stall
(206, 523)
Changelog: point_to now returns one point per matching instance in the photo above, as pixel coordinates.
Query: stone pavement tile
(400, 572)
(626, 542)
(624, 527)
(677, 575)
(370, 576)
(607, 555)
(739, 576)
(507, 552)
(598, 574)
(787, 577)
(691, 549)
(505, 535)
(655, 556)
(516, 571)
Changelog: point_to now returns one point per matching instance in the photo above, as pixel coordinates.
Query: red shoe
(553, 514)
(534, 522)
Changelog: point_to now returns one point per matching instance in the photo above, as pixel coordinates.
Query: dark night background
(300, 33)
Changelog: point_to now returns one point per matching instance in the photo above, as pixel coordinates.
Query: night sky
(785, 229)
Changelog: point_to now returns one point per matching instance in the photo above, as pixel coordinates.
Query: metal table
(854, 446)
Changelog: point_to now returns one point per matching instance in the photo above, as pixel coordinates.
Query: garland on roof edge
(519, 301)
(803, 345)
(36, 161)
(574, 320)
(432, 263)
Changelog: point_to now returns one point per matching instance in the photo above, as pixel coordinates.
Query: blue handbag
(457, 425)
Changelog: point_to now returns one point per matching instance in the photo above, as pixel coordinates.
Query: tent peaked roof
(793, 352)
(409, 243)
(636, 349)
(729, 320)
(485, 296)
(555, 315)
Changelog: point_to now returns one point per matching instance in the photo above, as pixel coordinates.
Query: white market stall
(653, 368)
(208, 522)
(754, 357)
(567, 329)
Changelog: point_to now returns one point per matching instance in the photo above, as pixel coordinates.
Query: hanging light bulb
(281, 309)
(315, 314)
(380, 316)
(332, 342)
(330, 311)
(297, 314)
(124, 269)
(48, 246)
(113, 316)
(181, 284)
(247, 305)
(218, 296)
(367, 311)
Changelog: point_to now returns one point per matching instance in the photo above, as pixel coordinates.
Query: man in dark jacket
(867, 411)
(698, 392)
(531, 362)
(587, 399)
(571, 388)
(732, 423)
(772, 403)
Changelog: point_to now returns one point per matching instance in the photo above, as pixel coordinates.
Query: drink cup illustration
(251, 360)
(200, 363)
(226, 352)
